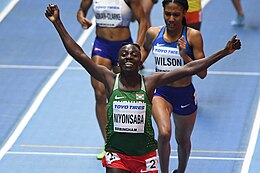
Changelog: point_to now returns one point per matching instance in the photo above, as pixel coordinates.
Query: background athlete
(194, 14)
(177, 97)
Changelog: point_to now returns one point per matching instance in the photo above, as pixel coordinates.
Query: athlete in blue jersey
(178, 97)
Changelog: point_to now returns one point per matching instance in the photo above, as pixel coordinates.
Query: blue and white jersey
(167, 57)
(112, 13)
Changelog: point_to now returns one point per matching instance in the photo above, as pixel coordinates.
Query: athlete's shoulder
(191, 32)
(154, 30)
(194, 37)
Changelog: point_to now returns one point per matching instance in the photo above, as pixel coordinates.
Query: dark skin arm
(82, 12)
(100, 73)
(192, 67)
(151, 34)
(139, 14)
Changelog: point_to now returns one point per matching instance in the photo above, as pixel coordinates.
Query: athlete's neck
(130, 82)
(173, 35)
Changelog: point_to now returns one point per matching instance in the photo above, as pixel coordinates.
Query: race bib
(111, 157)
(152, 164)
(129, 117)
(167, 58)
(108, 13)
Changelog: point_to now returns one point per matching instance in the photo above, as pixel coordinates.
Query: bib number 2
(152, 164)
(111, 157)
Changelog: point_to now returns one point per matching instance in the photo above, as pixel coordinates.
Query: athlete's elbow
(202, 74)
(202, 77)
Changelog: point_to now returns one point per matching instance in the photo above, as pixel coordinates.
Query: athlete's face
(173, 14)
(129, 58)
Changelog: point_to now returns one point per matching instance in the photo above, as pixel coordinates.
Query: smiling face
(129, 58)
(173, 14)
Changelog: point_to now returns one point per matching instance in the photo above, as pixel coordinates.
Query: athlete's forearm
(142, 23)
(84, 7)
(190, 69)
(202, 64)
(141, 32)
(202, 74)
(198, 65)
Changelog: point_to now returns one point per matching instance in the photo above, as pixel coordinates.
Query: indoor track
(47, 116)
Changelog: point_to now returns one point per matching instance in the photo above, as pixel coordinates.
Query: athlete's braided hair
(183, 3)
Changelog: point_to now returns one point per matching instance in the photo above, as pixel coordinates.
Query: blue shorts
(182, 99)
(108, 49)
